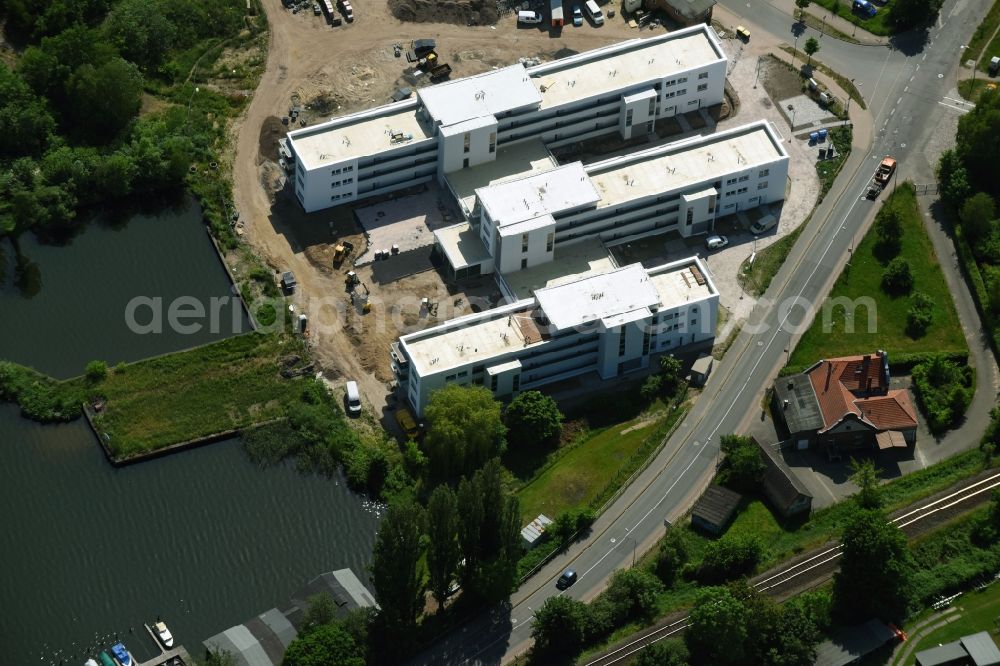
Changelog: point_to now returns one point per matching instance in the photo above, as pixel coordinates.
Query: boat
(90, 662)
(164, 634)
(106, 659)
(122, 655)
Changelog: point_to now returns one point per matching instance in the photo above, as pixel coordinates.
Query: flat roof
(461, 245)
(480, 95)
(680, 282)
(358, 135)
(519, 159)
(717, 505)
(475, 338)
(538, 194)
(569, 263)
(682, 164)
(598, 297)
(594, 73)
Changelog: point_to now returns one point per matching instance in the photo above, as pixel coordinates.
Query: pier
(175, 656)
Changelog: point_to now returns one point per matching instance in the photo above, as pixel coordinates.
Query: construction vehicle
(885, 170)
(421, 47)
(440, 73)
(359, 294)
(339, 252)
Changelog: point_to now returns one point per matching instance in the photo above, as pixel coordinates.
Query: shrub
(730, 557)
(897, 278)
(532, 418)
(943, 390)
(651, 387)
(96, 371)
(671, 557)
(920, 315)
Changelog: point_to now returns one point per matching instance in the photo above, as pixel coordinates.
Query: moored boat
(90, 662)
(122, 655)
(106, 659)
(164, 634)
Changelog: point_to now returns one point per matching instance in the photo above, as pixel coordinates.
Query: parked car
(743, 33)
(406, 422)
(577, 16)
(353, 398)
(763, 225)
(528, 17)
(716, 242)
(567, 578)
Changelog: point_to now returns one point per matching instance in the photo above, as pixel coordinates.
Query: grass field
(977, 611)
(862, 279)
(586, 469)
(226, 385)
(877, 25)
(984, 31)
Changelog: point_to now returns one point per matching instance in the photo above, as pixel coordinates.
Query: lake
(203, 539)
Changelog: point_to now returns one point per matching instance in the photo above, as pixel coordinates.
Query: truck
(994, 65)
(440, 72)
(884, 172)
(557, 13)
(348, 11)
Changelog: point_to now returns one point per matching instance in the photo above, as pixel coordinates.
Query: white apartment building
(609, 324)
(459, 124)
(681, 186)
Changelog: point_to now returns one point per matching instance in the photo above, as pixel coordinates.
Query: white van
(524, 16)
(594, 12)
(353, 398)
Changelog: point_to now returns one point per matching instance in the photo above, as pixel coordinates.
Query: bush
(532, 419)
(730, 557)
(96, 371)
(41, 398)
(671, 556)
(651, 387)
(743, 466)
(632, 594)
(920, 315)
(943, 390)
(897, 278)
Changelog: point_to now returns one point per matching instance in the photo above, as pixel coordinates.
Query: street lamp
(972, 91)
(849, 101)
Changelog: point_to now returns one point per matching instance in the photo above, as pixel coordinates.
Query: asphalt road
(905, 84)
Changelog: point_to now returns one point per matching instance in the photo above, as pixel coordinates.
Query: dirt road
(337, 70)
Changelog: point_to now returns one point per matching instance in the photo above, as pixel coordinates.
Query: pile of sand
(460, 12)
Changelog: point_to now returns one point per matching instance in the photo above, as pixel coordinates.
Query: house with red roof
(846, 404)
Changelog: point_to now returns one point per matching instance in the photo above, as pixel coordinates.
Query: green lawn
(585, 470)
(978, 611)
(218, 387)
(862, 279)
(878, 25)
(981, 36)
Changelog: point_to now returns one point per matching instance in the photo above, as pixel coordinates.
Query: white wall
(451, 147)
(512, 254)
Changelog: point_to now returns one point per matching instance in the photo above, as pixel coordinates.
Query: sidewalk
(820, 12)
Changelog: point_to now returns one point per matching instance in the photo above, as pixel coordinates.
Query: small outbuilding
(782, 488)
(701, 369)
(533, 532)
(975, 650)
(715, 508)
(850, 644)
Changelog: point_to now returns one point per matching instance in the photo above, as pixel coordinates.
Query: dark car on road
(567, 578)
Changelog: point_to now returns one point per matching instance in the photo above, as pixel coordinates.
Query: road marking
(924, 58)
(959, 101)
(918, 68)
(956, 108)
(899, 100)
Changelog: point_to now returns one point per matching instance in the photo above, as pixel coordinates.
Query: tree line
(71, 136)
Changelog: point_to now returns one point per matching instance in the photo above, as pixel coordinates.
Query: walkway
(904, 651)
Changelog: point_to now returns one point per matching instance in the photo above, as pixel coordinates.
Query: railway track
(817, 567)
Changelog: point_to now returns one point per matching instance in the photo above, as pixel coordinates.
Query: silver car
(716, 242)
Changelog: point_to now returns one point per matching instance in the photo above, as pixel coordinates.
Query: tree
(802, 4)
(326, 645)
(470, 524)
(865, 476)
(25, 122)
(465, 431)
(632, 594)
(920, 316)
(321, 611)
(499, 534)
(651, 387)
(106, 98)
(96, 371)
(811, 47)
(911, 13)
(875, 576)
(776, 635)
(443, 553)
(731, 556)
(744, 465)
(220, 658)
(559, 629)
(532, 418)
(889, 229)
(952, 178)
(897, 279)
(395, 572)
(664, 653)
(977, 215)
(141, 31)
(671, 556)
(717, 630)
(976, 144)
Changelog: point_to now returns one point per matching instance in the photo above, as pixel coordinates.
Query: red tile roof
(836, 380)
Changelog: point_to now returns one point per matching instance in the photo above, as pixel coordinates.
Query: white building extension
(681, 186)
(620, 88)
(608, 324)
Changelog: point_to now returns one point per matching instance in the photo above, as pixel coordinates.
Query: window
(524, 263)
(762, 186)
(334, 197)
(669, 94)
(463, 373)
(621, 340)
(652, 105)
(763, 172)
(478, 368)
(682, 79)
(690, 217)
(348, 168)
(517, 382)
(729, 194)
(493, 142)
(524, 242)
(682, 91)
(449, 378)
(694, 321)
(703, 86)
(703, 75)
(348, 181)
(743, 179)
(493, 383)
(465, 163)
(730, 181)
(628, 118)
(741, 190)
(670, 83)
(550, 241)
(694, 309)
(693, 102)
(335, 183)
(468, 142)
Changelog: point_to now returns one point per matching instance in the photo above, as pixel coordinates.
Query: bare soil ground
(331, 71)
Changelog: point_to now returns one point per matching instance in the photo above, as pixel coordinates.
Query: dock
(176, 656)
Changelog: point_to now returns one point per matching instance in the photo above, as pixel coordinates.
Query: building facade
(608, 324)
(621, 88)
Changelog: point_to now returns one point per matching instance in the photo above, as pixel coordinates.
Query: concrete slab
(408, 222)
